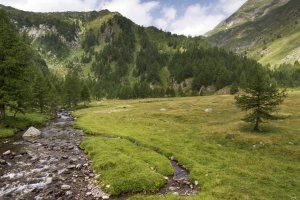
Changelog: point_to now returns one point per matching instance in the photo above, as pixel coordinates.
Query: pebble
(105, 197)
(71, 167)
(65, 187)
(69, 193)
(6, 153)
(172, 188)
(2, 162)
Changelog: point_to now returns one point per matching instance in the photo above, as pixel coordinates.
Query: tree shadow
(265, 128)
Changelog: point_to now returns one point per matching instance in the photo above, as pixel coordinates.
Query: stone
(196, 182)
(71, 167)
(208, 110)
(65, 187)
(79, 166)
(172, 188)
(6, 153)
(105, 197)
(69, 193)
(31, 133)
(176, 193)
(2, 162)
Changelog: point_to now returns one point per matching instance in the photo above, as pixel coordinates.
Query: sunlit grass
(220, 151)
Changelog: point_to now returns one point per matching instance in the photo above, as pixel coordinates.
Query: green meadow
(130, 141)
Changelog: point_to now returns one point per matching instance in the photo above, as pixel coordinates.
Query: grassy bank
(221, 152)
(12, 125)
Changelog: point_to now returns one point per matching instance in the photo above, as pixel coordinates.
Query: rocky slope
(266, 30)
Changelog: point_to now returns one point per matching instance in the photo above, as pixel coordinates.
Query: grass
(12, 125)
(126, 167)
(218, 149)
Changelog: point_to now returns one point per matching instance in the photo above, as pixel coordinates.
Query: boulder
(32, 133)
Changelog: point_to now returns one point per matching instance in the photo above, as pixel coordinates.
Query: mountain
(121, 59)
(266, 30)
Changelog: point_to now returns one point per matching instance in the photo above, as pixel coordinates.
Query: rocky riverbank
(50, 167)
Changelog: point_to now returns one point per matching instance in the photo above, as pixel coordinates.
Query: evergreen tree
(234, 88)
(85, 94)
(72, 89)
(260, 99)
(40, 91)
(14, 63)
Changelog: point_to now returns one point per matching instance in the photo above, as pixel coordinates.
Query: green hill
(266, 30)
(122, 59)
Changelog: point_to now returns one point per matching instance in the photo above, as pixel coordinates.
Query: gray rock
(172, 188)
(71, 167)
(65, 187)
(6, 153)
(105, 197)
(31, 133)
(2, 162)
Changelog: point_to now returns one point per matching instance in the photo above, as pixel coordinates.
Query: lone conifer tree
(260, 98)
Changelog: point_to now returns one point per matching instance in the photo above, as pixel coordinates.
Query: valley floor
(130, 142)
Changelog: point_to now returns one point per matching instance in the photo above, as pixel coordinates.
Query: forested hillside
(122, 59)
(112, 57)
(265, 30)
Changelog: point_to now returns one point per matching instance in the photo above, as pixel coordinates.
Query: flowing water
(54, 167)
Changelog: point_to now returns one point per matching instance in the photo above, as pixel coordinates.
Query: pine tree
(14, 63)
(234, 88)
(85, 94)
(40, 91)
(260, 99)
(72, 89)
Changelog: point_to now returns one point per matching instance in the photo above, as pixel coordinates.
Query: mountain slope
(266, 30)
(122, 59)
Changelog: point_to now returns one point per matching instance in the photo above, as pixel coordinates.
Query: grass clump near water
(12, 125)
(126, 167)
(217, 147)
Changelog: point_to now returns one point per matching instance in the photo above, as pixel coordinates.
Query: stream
(54, 167)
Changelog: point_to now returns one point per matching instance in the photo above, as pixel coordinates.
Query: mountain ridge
(260, 29)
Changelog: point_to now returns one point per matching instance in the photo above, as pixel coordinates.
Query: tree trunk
(2, 112)
(256, 127)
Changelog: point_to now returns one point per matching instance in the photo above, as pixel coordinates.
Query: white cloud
(196, 20)
(135, 10)
(169, 13)
(230, 6)
(52, 5)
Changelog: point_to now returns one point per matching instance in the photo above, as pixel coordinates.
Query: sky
(187, 17)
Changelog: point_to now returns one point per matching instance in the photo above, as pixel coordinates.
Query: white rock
(65, 187)
(163, 109)
(105, 197)
(196, 182)
(107, 186)
(208, 110)
(6, 153)
(31, 133)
